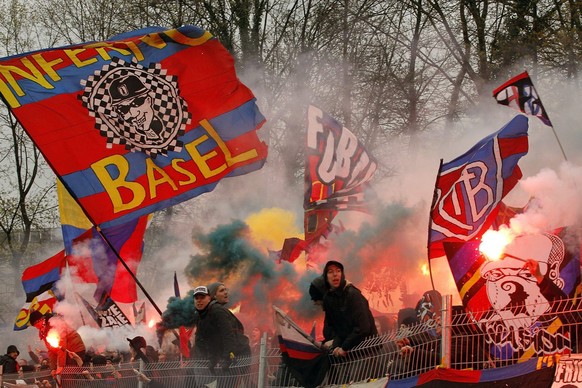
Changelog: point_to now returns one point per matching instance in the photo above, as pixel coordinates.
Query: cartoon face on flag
(137, 106)
(138, 123)
(519, 93)
(470, 187)
(518, 314)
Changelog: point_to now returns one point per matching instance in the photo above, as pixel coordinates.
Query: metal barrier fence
(464, 341)
(492, 338)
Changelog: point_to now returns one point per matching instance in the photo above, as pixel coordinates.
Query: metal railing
(477, 340)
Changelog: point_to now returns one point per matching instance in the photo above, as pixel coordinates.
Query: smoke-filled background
(225, 235)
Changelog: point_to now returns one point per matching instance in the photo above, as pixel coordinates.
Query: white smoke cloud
(553, 183)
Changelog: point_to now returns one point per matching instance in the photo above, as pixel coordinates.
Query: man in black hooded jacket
(8, 361)
(348, 319)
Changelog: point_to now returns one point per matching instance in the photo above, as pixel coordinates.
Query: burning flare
(493, 243)
(424, 269)
(151, 323)
(53, 338)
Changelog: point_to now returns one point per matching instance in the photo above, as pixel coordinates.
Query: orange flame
(493, 243)
(424, 270)
(151, 323)
(53, 338)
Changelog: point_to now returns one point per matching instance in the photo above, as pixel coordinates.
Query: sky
(226, 234)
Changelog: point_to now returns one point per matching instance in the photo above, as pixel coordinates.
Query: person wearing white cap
(218, 337)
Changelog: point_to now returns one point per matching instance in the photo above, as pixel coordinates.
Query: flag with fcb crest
(470, 188)
(137, 123)
(520, 93)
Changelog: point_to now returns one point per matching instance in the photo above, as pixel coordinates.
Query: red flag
(292, 248)
(93, 261)
(185, 334)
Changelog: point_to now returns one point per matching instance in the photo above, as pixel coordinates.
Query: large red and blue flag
(139, 122)
(469, 188)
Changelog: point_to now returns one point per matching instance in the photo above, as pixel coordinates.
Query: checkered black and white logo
(136, 106)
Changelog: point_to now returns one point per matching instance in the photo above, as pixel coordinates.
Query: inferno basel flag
(470, 187)
(137, 123)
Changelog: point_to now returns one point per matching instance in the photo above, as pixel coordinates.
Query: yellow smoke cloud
(270, 227)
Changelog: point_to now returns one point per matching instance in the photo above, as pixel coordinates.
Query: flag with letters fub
(127, 127)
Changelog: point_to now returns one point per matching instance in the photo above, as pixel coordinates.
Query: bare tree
(26, 181)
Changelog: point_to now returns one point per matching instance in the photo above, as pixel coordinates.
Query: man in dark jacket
(348, 319)
(219, 337)
(8, 361)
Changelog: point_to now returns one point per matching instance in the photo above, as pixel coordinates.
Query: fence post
(141, 367)
(447, 328)
(262, 361)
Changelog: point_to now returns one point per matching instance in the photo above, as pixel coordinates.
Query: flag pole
(553, 129)
(430, 222)
(147, 295)
(69, 280)
(544, 110)
(47, 160)
(557, 138)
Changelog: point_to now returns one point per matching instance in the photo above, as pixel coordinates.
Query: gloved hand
(227, 363)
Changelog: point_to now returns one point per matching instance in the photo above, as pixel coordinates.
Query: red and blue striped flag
(39, 283)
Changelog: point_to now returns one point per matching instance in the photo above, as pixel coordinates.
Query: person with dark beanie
(348, 319)
(8, 361)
